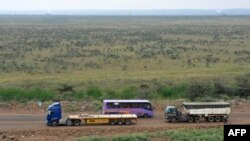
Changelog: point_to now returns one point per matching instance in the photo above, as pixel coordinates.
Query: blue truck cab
(54, 114)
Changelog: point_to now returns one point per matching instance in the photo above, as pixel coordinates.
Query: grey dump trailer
(197, 111)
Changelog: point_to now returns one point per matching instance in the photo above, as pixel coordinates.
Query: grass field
(206, 134)
(116, 52)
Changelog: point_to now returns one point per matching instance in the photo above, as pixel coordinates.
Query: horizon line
(128, 9)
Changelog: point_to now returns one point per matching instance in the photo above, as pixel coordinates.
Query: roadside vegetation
(195, 90)
(205, 134)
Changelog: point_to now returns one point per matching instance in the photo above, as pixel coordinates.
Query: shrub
(177, 91)
(224, 97)
(243, 85)
(206, 99)
(128, 93)
(80, 95)
(219, 88)
(110, 94)
(94, 92)
(200, 89)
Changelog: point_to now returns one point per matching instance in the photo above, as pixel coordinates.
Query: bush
(94, 92)
(219, 88)
(206, 99)
(110, 94)
(177, 91)
(80, 95)
(129, 93)
(98, 105)
(243, 85)
(224, 97)
(200, 89)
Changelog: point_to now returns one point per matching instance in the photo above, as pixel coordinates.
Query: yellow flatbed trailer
(111, 119)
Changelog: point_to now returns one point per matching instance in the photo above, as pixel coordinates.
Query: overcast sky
(120, 4)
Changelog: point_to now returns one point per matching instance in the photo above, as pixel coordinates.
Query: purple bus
(142, 108)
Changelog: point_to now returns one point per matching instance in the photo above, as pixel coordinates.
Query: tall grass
(210, 134)
(22, 95)
(94, 92)
(206, 134)
(129, 93)
(193, 90)
(174, 92)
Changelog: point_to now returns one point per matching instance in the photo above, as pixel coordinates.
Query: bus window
(112, 105)
(134, 105)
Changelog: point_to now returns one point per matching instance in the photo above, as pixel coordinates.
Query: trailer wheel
(190, 119)
(145, 115)
(69, 122)
(55, 123)
(120, 122)
(210, 119)
(217, 119)
(127, 121)
(77, 122)
(197, 119)
(112, 122)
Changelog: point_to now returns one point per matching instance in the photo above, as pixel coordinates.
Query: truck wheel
(127, 121)
(210, 119)
(173, 120)
(77, 122)
(120, 122)
(69, 122)
(223, 119)
(197, 119)
(190, 119)
(55, 123)
(217, 119)
(112, 122)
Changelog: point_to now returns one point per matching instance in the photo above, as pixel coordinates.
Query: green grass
(22, 95)
(203, 134)
(210, 134)
(174, 92)
(195, 90)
